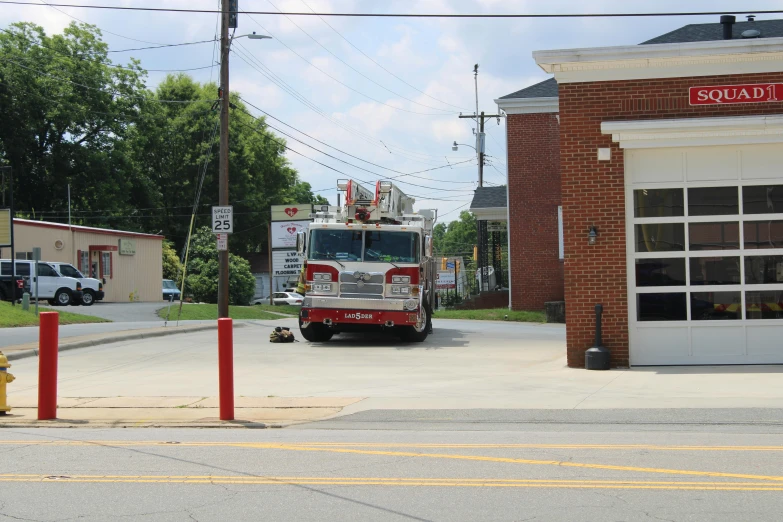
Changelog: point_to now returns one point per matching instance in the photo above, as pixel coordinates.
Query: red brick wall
(534, 187)
(593, 192)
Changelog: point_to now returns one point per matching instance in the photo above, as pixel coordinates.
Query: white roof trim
(740, 130)
(630, 62)
(490, 214)
(529, 105)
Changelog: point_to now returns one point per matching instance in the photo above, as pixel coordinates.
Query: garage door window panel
(714, 236)
(763, 234)
(715, 270)
(711, 306)
(762, 199)
(764, 270)
(660, 237)
(650, 203)
(764, 304)
(660, 272)
(713, 201)
(662, 307)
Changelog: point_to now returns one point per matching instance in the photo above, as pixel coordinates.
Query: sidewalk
(192, 412)
(21, 351)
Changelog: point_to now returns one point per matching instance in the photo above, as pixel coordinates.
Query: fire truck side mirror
(301, 242)
(428, 246)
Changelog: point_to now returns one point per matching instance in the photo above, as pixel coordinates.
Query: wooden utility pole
(480, 118)
(223, 161)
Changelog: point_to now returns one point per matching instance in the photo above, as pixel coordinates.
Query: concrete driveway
(464, 365)
(121, 312)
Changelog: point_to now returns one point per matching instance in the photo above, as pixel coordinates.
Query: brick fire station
(657, 171)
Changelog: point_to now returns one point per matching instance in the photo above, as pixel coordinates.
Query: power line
(456, 209)
(447, 111)
(360, 93)
(380, 176)
(267, 73)
(113, 93)
(407, 15)
(411, 174)
(107, 64)
(160, 46)
(102, 30)
(376, 63)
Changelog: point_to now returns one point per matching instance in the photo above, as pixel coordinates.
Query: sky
(382, 91)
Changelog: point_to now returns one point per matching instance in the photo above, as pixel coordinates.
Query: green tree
(171, 143)
(457, 238)
(202, 276)
(172, 267)
(65, 109)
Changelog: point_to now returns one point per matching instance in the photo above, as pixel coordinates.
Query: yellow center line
(315, 447)
(396, 481)
(530, 461)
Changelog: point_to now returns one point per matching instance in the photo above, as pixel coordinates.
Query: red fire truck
(368, 265)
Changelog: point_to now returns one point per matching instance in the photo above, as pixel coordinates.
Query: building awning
(489, 204)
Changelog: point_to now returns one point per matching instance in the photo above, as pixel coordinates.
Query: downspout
(508, 214)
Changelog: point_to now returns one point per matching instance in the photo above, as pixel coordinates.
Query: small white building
(129, 263)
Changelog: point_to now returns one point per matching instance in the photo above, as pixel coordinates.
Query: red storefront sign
(725, 94)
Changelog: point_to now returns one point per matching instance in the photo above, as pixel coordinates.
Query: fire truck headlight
(322, 287)
(410, 304)
(401, 290)
(322, 277)
(401, 279)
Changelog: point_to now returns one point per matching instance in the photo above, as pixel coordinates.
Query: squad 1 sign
(726, 94)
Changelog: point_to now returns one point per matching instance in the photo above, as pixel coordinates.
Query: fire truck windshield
(372, 245)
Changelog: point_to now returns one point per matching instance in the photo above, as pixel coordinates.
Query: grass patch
(13, 316)
(281, 309)
(205, 312)
(496, 314)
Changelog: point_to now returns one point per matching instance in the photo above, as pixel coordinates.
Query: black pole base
(597, 358)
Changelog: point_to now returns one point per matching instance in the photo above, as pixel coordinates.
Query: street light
(225, 47)
(253, 36)
(455, 147)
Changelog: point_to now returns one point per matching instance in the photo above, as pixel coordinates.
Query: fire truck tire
(412, 334)
(315, 332)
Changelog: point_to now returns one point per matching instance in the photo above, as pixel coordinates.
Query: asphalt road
(559, 471)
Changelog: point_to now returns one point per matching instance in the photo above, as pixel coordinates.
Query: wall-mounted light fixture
(592, 235)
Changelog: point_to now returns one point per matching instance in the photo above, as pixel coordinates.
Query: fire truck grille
(356, 288)
(361, 285)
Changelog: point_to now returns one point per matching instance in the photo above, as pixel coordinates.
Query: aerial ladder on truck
(369, 265)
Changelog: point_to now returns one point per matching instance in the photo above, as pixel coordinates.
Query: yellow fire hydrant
(5, 378)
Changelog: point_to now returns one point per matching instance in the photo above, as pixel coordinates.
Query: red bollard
(47, 365)
(226, 367)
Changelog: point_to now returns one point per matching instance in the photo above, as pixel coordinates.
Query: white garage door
(705, 254)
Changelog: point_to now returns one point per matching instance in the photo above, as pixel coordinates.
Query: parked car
(170, 289)
(260, 300)
(13, 290)
(92, 289)
(287, 298)
(58, 290)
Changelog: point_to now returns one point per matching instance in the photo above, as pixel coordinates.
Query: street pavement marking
(395, 481)
(331, 449)
(525, 461)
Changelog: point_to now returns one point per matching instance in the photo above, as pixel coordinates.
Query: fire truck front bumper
(334, 310)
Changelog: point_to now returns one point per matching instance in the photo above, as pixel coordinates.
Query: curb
(65, 345)
(226, 425)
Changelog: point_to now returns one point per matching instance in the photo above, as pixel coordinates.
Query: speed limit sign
(223, 220)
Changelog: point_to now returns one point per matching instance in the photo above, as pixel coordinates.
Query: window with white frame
(708, 252)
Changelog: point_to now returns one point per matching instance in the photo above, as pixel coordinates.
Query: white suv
(58, 290)
(92, 289)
